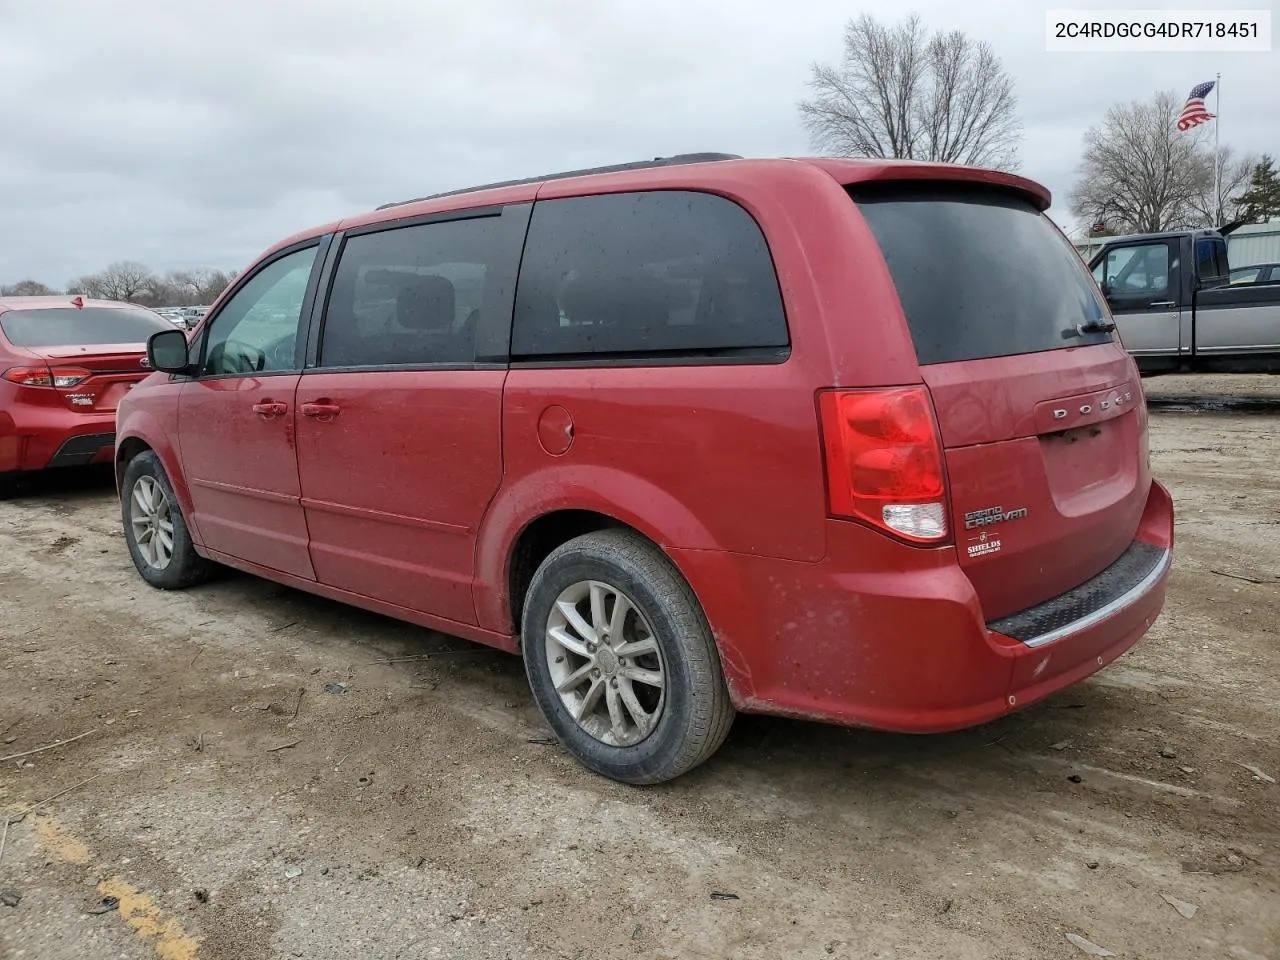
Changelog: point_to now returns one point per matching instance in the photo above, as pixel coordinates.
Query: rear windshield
(69, 327)
(980, 273)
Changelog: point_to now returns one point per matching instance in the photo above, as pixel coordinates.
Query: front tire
(621, 659)
(155, 529)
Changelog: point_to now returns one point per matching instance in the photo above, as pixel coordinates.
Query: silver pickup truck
(1176, 311)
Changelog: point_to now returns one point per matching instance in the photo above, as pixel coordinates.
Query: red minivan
(850, 440)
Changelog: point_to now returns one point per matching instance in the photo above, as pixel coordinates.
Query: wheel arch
(537, 540)
(139, 440)
(126, 450)
(545, 509)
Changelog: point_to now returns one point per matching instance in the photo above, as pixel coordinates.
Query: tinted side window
(409, 295)
(257, 330)
(1220, 253)
(1206, 262)
(664, 273)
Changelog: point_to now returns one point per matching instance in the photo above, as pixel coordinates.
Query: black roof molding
(677, 160)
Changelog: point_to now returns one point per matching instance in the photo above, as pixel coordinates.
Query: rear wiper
(1093, 326)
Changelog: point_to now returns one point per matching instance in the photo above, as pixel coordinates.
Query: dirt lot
(428, 819)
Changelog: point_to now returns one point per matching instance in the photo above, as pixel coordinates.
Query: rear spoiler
(860, 172)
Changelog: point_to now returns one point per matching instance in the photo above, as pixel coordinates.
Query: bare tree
(190, 283)
(1229, 184)
(901, 92)
(136, 283)
(215, 283)
(85, 286)
(123, 280)
(198, 286)
(27, 288)
(1139, 173)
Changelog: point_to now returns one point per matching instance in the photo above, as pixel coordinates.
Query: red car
(846, 440)
(65, 362)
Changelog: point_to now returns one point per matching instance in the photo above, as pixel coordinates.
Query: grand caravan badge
(992, 515)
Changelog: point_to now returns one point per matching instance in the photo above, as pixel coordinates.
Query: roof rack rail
(615, 168)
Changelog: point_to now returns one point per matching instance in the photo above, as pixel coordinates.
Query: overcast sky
(185, 134)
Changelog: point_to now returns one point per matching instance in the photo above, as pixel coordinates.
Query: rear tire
(155, 529)
(622, 661)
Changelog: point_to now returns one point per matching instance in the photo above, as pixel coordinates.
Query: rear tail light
(884, 461)
(46, 377)
(29, 376)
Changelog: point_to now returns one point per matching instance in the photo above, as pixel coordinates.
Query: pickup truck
(1176, 310)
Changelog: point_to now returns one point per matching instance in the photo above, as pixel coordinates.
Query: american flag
(1194, 113)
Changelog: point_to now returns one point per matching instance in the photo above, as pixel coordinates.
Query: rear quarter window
(659, 274)
(89, 326)
(980, 273)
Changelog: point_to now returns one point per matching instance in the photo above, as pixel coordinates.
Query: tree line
(905, 92)
(134, 282)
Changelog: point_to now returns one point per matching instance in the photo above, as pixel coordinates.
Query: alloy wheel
(605, 663)
(152, 522)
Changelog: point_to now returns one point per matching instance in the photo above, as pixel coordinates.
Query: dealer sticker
(984, 547)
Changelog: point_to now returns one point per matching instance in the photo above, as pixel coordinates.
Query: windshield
(69, 327)
(980, 273)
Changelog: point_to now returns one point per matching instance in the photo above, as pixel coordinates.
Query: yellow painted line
(59, 841)
(141, 913)
(136, 908)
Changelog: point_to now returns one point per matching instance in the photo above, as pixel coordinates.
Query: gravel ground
(427, 818)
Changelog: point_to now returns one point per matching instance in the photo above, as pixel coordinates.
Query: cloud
(198, 134)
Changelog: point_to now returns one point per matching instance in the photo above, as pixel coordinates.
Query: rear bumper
(891, 637)
(83, 449)
(37, 438)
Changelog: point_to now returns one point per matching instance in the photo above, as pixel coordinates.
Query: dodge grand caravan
(846, 440)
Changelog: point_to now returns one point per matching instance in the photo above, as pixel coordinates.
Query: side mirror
(167, 352)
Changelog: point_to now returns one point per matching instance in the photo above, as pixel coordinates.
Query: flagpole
(1217, 155)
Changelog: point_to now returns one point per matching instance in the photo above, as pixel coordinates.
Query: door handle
(269, 408)
(1164, 303)
(320, 410)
